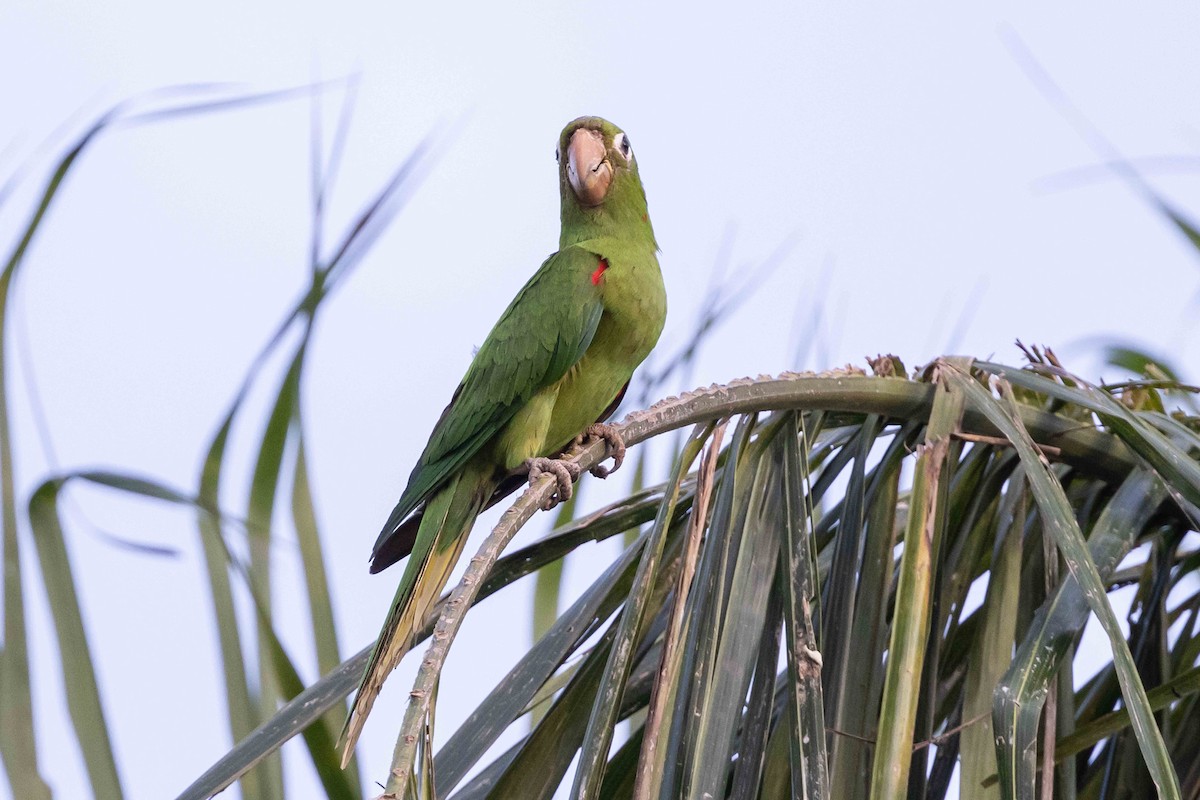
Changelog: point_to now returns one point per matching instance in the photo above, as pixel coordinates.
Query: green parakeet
(555, 364)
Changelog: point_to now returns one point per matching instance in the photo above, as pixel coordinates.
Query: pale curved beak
(588, 169)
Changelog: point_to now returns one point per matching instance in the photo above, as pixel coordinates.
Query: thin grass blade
(312, 556)
(741, 618)
(332, 688)
(320, 605)
(241, 711)
(911, 623)
(994, 646)
(1185, 684)
(511, 696)
(1057, 625)
(1179, 471)
(651, 760)
(597, 739)
(703, 606)
(83, 695)
(545, 756)
(17, 743)
(1059, 521)
(547, 587)
(755, 729)
(75, 656)
(264, 486)
(860, 680)
(799, 589)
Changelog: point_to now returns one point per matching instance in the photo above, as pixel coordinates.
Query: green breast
(635, 308)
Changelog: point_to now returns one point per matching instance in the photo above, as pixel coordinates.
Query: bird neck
(623, 215)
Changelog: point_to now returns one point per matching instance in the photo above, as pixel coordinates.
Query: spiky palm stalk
(911, 551)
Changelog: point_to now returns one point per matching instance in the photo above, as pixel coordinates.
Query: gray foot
(614, 443)
(564, 472)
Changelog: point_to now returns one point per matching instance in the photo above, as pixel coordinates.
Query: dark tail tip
(396, 546)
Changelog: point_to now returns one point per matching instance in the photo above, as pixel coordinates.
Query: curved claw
(564, 472)
(614, 445)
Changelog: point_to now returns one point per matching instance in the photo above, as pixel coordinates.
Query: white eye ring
(621, 143)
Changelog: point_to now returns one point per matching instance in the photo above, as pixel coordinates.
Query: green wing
(543, 333)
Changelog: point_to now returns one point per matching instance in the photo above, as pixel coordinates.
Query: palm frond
(748, 563)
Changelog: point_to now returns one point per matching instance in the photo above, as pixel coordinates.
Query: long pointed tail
(447, 521)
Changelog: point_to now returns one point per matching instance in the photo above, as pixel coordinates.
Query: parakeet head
(598, 181)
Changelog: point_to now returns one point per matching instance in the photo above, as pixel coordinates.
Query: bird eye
(621, 142)
(555, 155)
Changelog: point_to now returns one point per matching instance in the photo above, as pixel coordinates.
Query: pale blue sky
(904, 150)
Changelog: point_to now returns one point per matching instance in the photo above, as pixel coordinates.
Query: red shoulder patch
(599, 272)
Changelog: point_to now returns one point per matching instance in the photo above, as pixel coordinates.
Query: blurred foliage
(849, 586)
